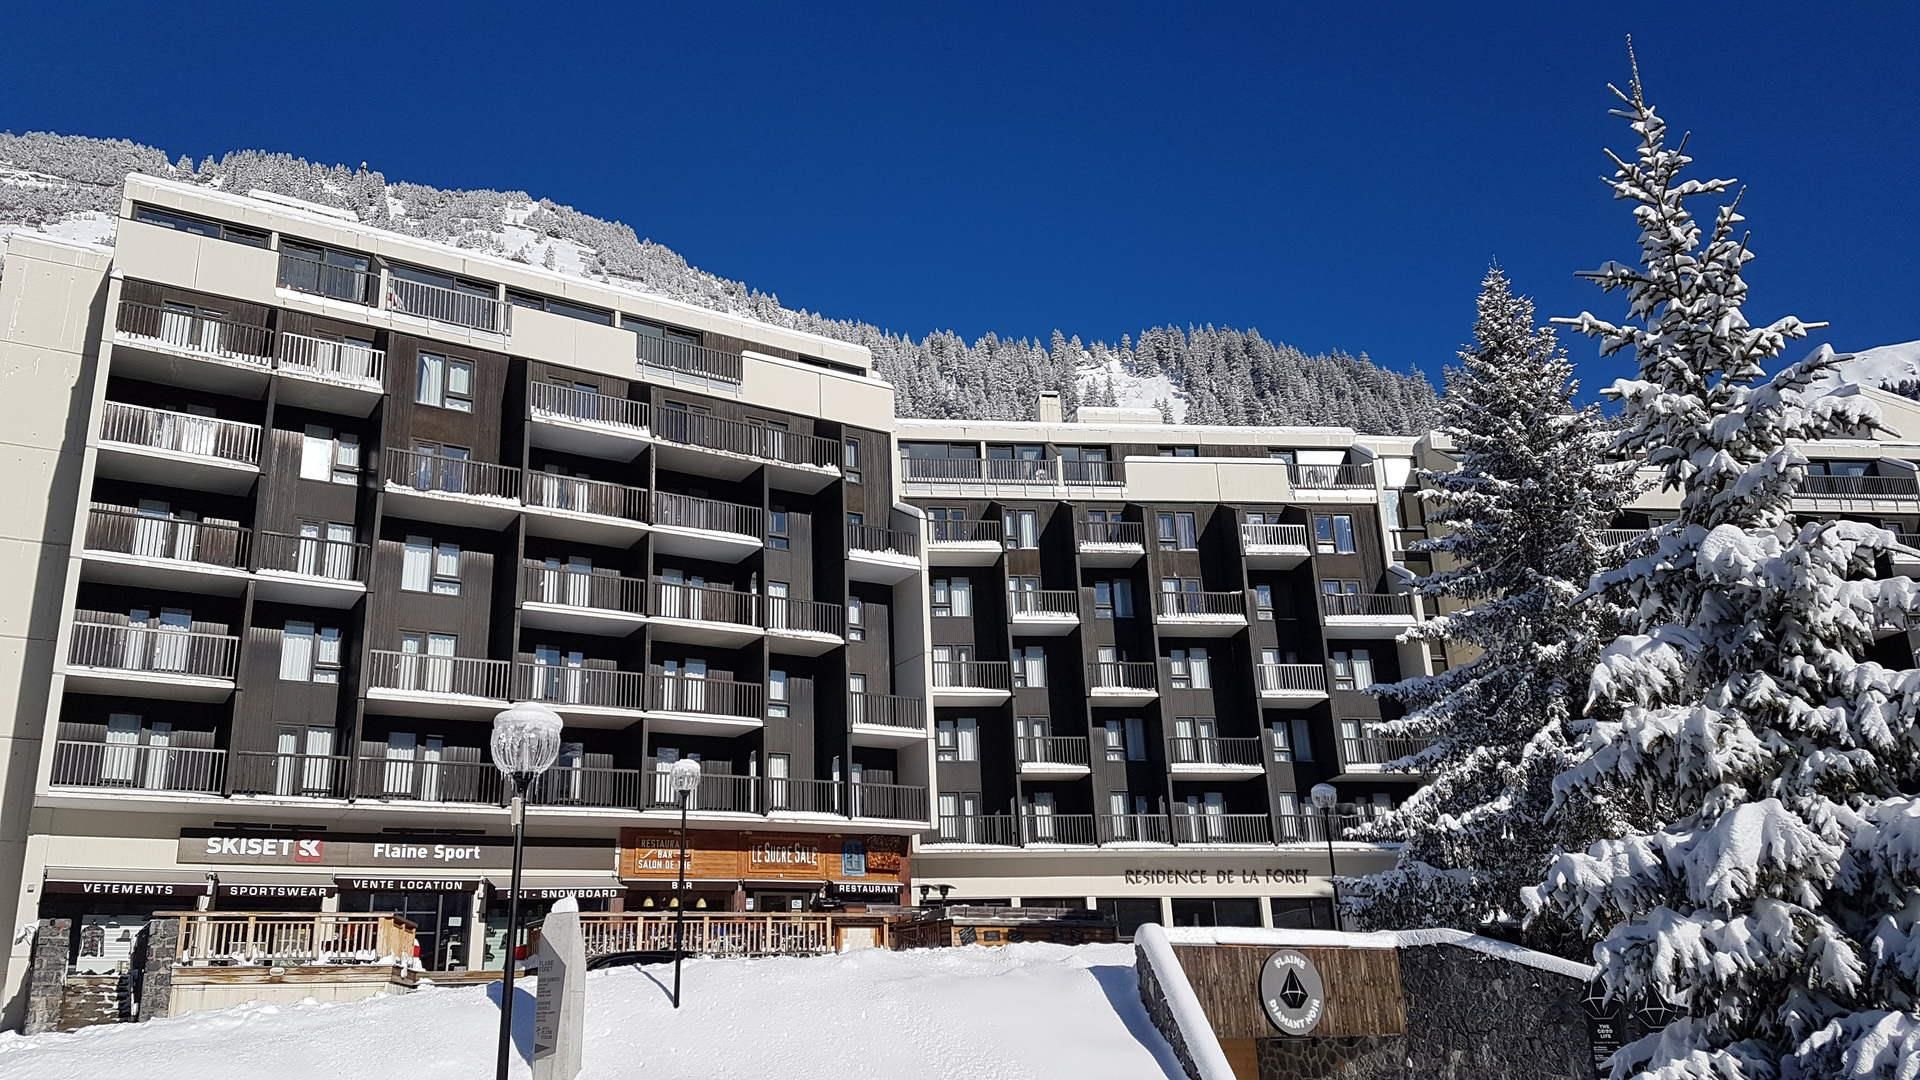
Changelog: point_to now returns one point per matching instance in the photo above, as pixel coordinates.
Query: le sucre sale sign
(654, 855)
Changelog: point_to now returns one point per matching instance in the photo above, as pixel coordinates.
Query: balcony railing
(582, 496)
(1293, 678)
(1000, 830)
(887, 710)
(575, 785)
(190, 331)
(442, 304)
(900, 802)
(1380, 749)
(713, 697)
(972, 674)
(1057, 829)
(422, 471)
(1330, 476)
(1203, 828)
(1621, 537)
(152, 536)
(588, 407)
(702, 934)
(709, 432)
(1211, 750)
(419, 673)
(1128, 533)
(158, 649)
(716, 791)
(1121, 675)
(1043, 602)
(965, 532)
(876, 538)
(308, 275)
(1312, 828)
(1190, 604)
(702, 603)
(564, 685)
(802, 796)
(274, 940)
(1369, 605)
(180, 433)
(1008, 471)
(332, 359)
(601, 590)
(413, 779)
(1091, 472)
(1133, 829)
(313, 556)
(785, 613)
(137, 767)
(692, 512)
(688, 358)
(1866, 487)
(1051, 750)
(291, 775)
(1264, 535)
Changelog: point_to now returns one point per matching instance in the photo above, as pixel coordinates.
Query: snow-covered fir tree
(1773, 899)
(1521, 518)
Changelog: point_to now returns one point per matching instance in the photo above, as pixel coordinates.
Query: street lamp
(526, 740)
(685, 777)
(1325, 798)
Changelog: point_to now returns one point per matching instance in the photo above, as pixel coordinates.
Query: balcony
(1111, 543)
(125, 547)
(880, 555)
(1050, 472)
(323, 277)
(802, 797)
(687, 358)
(584, 695)
(971, 682)
(703, 706)
(582, 510)
(452, 491)
(1312, 828)
(1274, 547)
(1377, 615)
(1047, 829)
(471, 310)
(330, 374)
(1043, 612)
(588, 788)
(1622, 537)
(151, 661)
(1373, 756)
(391, 779)
(888, 802)
(1291, 686)
(1402, 542)
(311, 570)
(717, 792)
(1906, 562)
(135, 768)
(703, 615)
(1122, 829)
(1060, 756)
(1330, 477)
(732, 449)
(581, 600)
(1201, 614)
(175, 449)
(414, 684)
(989, 830)
(1868, 488)
(292, 776)
(965, 543)
(802, 627)
(706, 528)
(586, 422)
(1204, 828)
(886, 719)
(1122, 682)
(1206, 755)
(179, 346)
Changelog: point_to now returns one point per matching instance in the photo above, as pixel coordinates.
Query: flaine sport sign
(1292, 993)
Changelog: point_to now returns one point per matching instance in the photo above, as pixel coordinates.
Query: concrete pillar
(477, 930)
(1266, 912)
(1166, 911)
(47, 976)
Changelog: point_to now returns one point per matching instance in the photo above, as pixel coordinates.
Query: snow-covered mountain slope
(1886, 367)
(1020, 1012)
(70, 185)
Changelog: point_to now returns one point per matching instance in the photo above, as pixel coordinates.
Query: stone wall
(1155, 1000)
(1369, 1058)
(47, 977)
(153, 966)
(1471, 1016)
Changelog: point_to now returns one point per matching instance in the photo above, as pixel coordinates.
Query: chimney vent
(1048, 410)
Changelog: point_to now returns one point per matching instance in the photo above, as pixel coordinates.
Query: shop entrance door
(777, 902)
(440, 921)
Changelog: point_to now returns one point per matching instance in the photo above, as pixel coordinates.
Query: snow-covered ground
(947, 1014)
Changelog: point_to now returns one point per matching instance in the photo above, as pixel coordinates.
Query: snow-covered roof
(1381, 939)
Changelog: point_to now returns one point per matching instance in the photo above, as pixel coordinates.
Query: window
(1113, 599)
(1287, 456)
(777, 524)
(1333, 534)
(1178, 531)
(1030, 667)
(329, 456)
(1352, 669)
(777, 693)
(219, 230)
(1115, 741)
(665, 346)
(429, 567)
(856, 683)
(1341, 596)
(1189, 669)
(1263, 602)
(446, 382)
(559, 307)
(1437, 662)
(1179, 451)
(1020, 594)
(1136, 739)
(952, 597)
(856, 619)
(850, 460)
(957, 739)
(1301, 742)
(1022, 529)
(325, 271)
(1282, 733)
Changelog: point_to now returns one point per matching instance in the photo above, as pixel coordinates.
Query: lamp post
(1325, 798)
(685, 778)
(526, 740)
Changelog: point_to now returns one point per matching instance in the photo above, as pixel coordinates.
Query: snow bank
(1196, 1034)
(1381, 939)
(1011, 1013)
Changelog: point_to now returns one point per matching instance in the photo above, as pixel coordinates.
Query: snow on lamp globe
(525, 742)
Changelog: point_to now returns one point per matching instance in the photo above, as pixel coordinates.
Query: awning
(405, 883)
(590, 887)
(158, 884)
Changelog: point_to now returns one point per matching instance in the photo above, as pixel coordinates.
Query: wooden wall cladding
(1363, 990)
(654, 854)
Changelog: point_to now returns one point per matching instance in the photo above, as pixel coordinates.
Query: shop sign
(557, 892)
(1292, 993)
(784, 855)
(383, 852)
(865, 888)
(273, 892)
(1264, 875)
(137, 889)
(402, 884)
(654, 855)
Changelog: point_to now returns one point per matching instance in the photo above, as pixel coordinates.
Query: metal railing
(277, 939)
(562, 684)
(1203, 828)
(600, 590)
(1007, 471)
(965, 532)
(1330, 476)
(730, 934)
(587, 406)
(1620, 537)
(442, 304)
(576, 785)
(983, 674)
(1043, 602)
(1188, 604)
(802, 796)
(1129, 533)
(1265, 535)
(702, 603)
(1380, 749)
(1122, 675)
(313, 556)
(1133, 829)
(1311, 828)
(709, 432)
(1292, 678)
(152, 536)
(422, 471)
(291, 775)
(716, 791)
(899, 802)
(578, 495)
(1051, 750)
(1074, 829)
(419, 673)
(688, 358)
(1212, 750)
(308, 275)
(181, 433)
(710, 696)
(1860, 486)
(415, 779)
(886, 710)
(160, 649)
(1371, 605)
(1092, 472)
(713, 515)
(137, 767)
(999, 830)
(326, 358)
(784, 613)
(878, 538)
(191, 331)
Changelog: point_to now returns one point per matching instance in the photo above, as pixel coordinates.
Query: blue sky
(1337, 177)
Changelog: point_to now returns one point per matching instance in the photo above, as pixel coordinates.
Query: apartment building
(303, 503)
